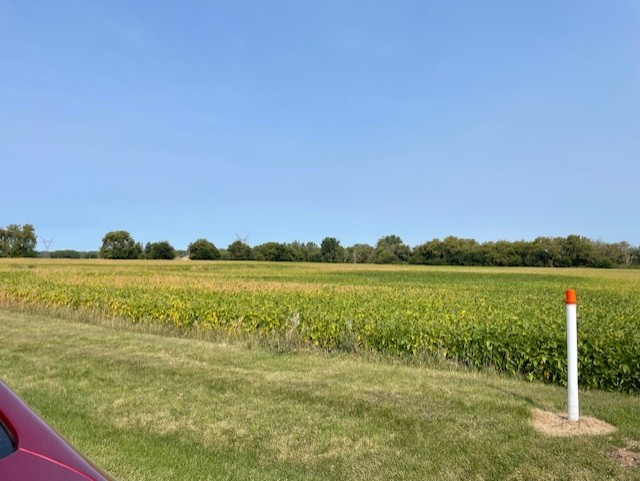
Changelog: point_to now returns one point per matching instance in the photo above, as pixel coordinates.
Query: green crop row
(512, 320)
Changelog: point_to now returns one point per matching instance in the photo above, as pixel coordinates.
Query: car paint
(41, 453)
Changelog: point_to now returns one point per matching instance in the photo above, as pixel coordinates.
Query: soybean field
(508, 319)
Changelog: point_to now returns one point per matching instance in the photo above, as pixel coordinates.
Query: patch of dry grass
(555, 424)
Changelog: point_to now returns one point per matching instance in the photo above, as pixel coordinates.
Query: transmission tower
(46, 243)
(242, 239)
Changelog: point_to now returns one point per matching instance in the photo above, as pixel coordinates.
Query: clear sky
(296, 120)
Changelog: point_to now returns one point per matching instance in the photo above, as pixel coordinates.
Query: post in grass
(572, 356)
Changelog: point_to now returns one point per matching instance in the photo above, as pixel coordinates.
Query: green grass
(154, 407)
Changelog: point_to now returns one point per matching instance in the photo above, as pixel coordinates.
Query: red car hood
(41, 454)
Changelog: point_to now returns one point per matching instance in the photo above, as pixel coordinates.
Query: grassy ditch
(153, 407)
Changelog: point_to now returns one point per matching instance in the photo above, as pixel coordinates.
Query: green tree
(298, 251)
(239, 251)
(634, 256)
(313, 252)
(331, 250)
(360, 254)
(66, 254)
(431, 253)
(391, 250)
(274, 251)
(203, 250)
(461, 252)
(160, 250)
(18, 241)
(577, 251)
(609, 255)
(120, 245)
(501, 253)
(544, 252)
(4, 247)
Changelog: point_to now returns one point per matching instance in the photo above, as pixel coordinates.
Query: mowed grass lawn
(154, 407)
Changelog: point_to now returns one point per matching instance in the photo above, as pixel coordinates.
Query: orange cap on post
(571, 297)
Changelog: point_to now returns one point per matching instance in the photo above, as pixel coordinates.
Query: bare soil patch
(554, 424)
(629, 456)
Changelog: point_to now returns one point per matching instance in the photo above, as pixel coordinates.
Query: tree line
(570, 251)
(18, 241)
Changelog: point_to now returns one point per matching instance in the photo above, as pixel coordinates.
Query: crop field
(509, 319)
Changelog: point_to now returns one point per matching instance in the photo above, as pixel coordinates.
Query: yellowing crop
(511, 319)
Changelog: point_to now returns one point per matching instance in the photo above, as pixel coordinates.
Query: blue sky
(297, 120)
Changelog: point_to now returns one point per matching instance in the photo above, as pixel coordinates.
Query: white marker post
(572, 356)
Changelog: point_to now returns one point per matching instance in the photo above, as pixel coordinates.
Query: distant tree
(269, 251)
(331, 250)
(361, 253)
(430, 253)
(65, 254)
(298, 251)
(625, 250)
(160, 250)
(391, 250)
(544, 252)
(120, 245)
(70, 254)
(273, 251)
(203, 250)
(500, 253)
(313, 252)
(18, 241)
(461, 252)
(577, 251)
(27, 241)
(609, 255)
(239, 251)
(634, 256)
